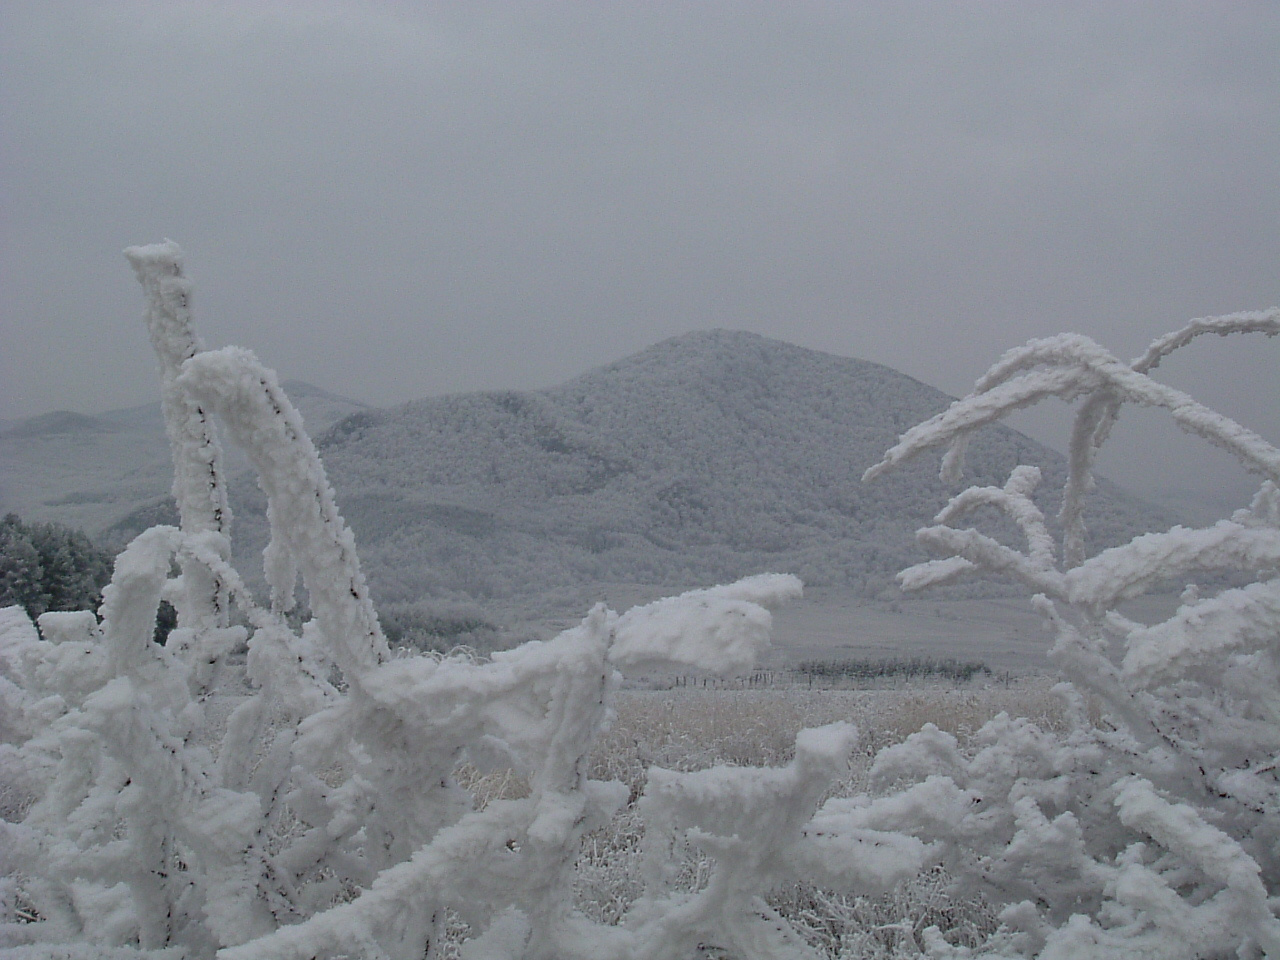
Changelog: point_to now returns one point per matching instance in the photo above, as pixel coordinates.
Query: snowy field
(833, 623)
(1004, 633)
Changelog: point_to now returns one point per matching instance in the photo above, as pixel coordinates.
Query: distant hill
(60, 421)
(705, 457)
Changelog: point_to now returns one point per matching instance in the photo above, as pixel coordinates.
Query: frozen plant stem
(316, 814)
(1157, 831)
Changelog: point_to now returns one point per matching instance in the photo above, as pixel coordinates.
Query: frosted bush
(270, 784)
(252, 790)
(1156, 830)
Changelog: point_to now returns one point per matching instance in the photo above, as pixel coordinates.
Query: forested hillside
(708, 456)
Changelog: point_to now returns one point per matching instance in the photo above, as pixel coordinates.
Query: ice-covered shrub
(1155, 831)
(271, 783)
(255, 790)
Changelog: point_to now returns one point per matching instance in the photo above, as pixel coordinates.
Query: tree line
(48, 566)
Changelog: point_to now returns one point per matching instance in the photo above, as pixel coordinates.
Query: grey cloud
(394, 200)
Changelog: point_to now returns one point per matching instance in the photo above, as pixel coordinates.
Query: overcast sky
(393, 200)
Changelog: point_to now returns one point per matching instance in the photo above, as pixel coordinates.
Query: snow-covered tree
(21, 573)
(1152, 826)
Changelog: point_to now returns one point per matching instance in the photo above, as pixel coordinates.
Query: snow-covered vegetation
(169, 801)
(278, 781)
(1154, 831)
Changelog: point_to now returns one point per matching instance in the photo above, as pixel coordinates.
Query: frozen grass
(689, 728)
(692, 728)
(890, 927)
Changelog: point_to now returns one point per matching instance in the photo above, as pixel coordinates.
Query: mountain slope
(708, 456)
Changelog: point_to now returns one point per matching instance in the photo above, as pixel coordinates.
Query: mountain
(706, 457)
(59, 422)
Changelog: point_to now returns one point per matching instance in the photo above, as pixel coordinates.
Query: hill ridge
(705, 456)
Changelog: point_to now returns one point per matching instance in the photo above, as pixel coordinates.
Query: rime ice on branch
(198, 486)
(255, 790)
(1159, 825)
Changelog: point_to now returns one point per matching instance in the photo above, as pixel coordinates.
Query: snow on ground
(1004, 633)
(834, 623)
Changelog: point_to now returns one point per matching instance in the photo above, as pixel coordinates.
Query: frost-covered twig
(301, 802)
(1070, 366)
(1187, 726)
(971, 550)
(199, 487)
(1266, 322)
(307, 531)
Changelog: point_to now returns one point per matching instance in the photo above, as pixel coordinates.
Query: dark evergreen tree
(48, 566)
(75, 570)
(21, 574)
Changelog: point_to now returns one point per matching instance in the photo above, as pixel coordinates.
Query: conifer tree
(21, 574)
(50, 567)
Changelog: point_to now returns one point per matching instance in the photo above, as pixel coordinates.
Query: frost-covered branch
(1186, 746)
(1266, 322)
(199, 488)
(307, 531)
(252, 789)
(971, 550)
(1071, 366)
(1074, 366)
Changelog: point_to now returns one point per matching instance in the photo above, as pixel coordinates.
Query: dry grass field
(691, 728)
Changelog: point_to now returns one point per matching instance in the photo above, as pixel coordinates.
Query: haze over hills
(705, 457)
(97, 472)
